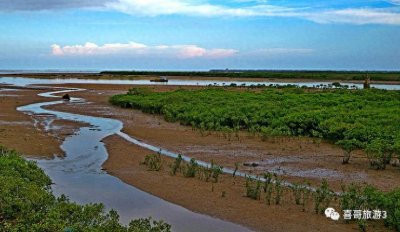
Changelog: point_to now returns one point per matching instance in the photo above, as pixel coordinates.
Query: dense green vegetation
(318, 75)
(354, 119)
(27, 204)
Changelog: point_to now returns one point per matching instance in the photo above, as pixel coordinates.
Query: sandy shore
(17, 130)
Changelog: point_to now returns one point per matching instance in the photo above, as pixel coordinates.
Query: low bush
(253, 188)
(278, 190)
(323, 195)
(176, 166)
(190, 169)
(153, 162)
(216, 170)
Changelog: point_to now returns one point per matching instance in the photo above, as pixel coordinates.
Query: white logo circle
(335, 216)
(329, 211)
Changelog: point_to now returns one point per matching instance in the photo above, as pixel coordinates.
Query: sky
(199, 34)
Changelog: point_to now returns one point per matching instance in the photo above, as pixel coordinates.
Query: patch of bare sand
(28, 134)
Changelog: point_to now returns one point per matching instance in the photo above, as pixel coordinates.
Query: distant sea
(4, 71)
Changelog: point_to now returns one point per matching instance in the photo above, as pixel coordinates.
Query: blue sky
(199, 34)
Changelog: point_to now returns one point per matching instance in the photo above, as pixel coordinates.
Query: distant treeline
(278, 74)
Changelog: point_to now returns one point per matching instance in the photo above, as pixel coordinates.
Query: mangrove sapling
(216, 170)
(297, 193)
(153, 162)
(236, 169)
(301, 193)
(253, 188)
(362, 225)
(268, 181)
(268, 188)
(268, 194)
(352, 197)
(207, 172)
(278, 190)
(305, 196)
(176, 166)
(191, 169)
(322, 197)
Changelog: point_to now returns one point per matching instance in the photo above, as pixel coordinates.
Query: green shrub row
(27, 204)
(354, 119)
(317, 75)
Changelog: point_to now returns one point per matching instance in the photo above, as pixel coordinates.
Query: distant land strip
(274, 74)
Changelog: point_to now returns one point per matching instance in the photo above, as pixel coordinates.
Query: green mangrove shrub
(27, 204)
(323, 195)
(153, 162)
(190, 169)
(176, 166)
(278, 189)
(253, 188)
(354, 119)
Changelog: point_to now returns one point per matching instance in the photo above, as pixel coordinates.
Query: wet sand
(17, 130)
(295, 155)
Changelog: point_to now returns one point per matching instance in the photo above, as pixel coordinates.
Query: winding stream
(79, 175)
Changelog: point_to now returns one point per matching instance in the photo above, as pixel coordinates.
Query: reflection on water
(26, 81)
(79, 176)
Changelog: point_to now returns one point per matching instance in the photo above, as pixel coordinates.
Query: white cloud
(137, 49)
(360, 16)
(395, 2)
(315, 11)
(356, 16)
(133, 49)
(191, 8)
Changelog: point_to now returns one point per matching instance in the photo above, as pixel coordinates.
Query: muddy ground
(294, 159)
(28, 133)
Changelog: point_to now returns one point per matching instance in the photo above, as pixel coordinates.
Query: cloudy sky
(199, 34)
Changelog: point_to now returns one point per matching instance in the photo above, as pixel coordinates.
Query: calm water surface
(27, 81)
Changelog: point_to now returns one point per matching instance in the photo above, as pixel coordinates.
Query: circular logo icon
(335, 216)
(329, 211)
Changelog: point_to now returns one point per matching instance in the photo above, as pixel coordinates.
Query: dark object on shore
(161, 79)
(367, 82)
(251, 164)
(66, 97)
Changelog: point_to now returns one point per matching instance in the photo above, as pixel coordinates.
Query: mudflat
(27, 133)
(293, 159)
